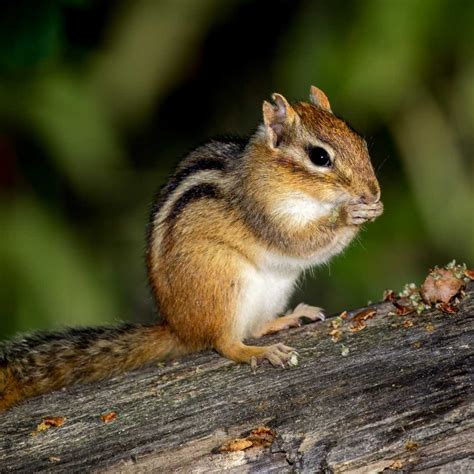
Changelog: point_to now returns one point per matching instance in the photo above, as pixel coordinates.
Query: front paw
(358, 213)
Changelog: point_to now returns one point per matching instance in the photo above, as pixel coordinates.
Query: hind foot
(291, 319)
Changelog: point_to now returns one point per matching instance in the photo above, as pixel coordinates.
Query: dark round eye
(319, 156)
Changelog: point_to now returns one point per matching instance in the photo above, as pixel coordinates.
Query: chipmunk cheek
(328, 195)
(301, 208)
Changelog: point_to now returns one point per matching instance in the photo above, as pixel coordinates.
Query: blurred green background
(99, 99)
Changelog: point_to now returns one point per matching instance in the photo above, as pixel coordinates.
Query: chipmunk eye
(319, 156)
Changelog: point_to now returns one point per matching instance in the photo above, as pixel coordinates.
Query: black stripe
(199, 191)
(174, 181)
(201, 165)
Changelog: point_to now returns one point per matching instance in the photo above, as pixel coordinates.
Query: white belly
(264, 296)
(267, 287)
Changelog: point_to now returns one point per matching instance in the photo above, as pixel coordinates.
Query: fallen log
(395, 392)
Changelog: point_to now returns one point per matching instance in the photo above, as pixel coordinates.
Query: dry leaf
(261, 437)
(407, 323)
(343, 315)
(358, 321)
(54, 459)
(469, 274)
(239, 444)
(42, 427)
(403, 310)
(389, 295)
(54, 420)
(358, 326)
(447, 308)
(48, 422)
(108, 417)
(440, 286)
(364, 315)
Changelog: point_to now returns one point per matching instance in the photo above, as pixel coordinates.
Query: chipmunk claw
(278, 355)
(313, 313)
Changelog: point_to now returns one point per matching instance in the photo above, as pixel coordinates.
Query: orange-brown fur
(225, 227)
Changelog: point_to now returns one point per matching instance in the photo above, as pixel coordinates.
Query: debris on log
(375, 389)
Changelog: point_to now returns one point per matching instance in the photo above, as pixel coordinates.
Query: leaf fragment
(48, 422)
(260, 437)
(440, 286)
(403, 310)
(365, 314)
(359, 320)
(358, 326)
(447, 308)
(389, 296)
(108, 417)
(238, 444)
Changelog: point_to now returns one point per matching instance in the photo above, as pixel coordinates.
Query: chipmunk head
(316, 153)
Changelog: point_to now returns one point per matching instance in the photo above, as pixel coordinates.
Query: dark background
(99, 100)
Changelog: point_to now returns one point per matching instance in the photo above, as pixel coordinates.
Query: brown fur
(211, 239)
(211, 227)
(47, 361)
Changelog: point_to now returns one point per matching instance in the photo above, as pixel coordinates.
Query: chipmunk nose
(370, 197)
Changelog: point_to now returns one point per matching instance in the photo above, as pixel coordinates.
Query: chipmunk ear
(319, 98)
(276, 118)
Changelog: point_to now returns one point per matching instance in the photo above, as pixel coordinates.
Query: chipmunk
(229, 236)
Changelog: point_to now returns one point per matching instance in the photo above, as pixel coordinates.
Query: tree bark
(400, 398)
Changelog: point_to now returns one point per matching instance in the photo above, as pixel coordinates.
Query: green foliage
(30, 33)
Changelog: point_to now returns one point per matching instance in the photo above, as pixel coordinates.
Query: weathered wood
(330, 413)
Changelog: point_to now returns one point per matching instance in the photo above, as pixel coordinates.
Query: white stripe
(204, 176)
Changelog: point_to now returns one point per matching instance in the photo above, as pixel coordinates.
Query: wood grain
(331, 413)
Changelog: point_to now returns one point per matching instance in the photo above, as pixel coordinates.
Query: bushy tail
(44, 362)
